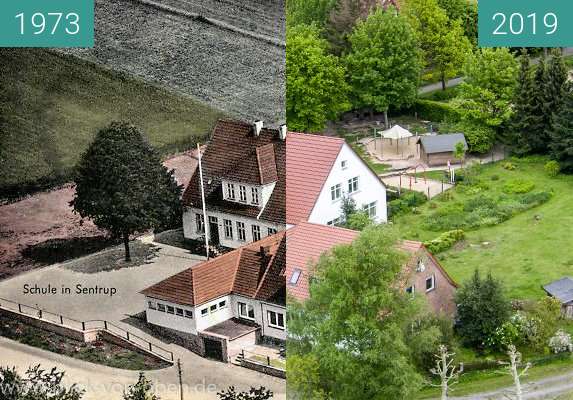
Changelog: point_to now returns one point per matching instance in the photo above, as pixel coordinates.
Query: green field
(527, 251)
(51, 105)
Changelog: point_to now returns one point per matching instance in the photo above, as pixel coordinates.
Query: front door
(213, 349)
(214, 230)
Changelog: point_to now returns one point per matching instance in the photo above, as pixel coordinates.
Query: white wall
(215, 317)
(261, 315)
(172, 321)
(189, 227)
(370, 189)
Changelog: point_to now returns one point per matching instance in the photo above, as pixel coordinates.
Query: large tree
(36, 384)
(348, 339)
(384, 62)
(527, 119)
(553, 88)
(122, 185)
(482, 308)
(562, 134)
(466, 13)
(316, 87)
(443, 43)
(308, 12)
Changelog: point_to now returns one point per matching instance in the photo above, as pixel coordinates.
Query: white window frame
(241, 232)
(231, 191)
(213, 308)
(170, 310)
(161, 307)
(353, 185)
(179, 312)
(152, 305)
(256, 231)
(248, 308)
(228, 225)
(204, 312)
(370, 209)
(413, 289)
(223, 304)
(189, 314)
(295, 277)
(271, 231)
(242, 194)
(335, 222)
(336, 192)
(255, 196)
(431, 278)
(275, 324)
(344, 164)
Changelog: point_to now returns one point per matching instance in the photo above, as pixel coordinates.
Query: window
(335, 222)
(231, 191)
(295, 276)
(410, 289)
(370, 209)
(170, 310)
(242, 194)
(271, 231)
(255, 195)
(152, 305)
(246, 311)
(228, 228)
(241, 235)
(421, 266)
(160, 307)
(256, 233)
(353, 185)
(179, 311)
(223, 304)
(276, 320)
(336, 192)
(344, 164)
(430, 283)
(204, 312)
(213, 308)
(188, 314)
(199, 223)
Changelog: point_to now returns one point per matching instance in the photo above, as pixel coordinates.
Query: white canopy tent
(396, 133)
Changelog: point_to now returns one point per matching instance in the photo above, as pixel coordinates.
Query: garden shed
(439, 149)
(562, 290)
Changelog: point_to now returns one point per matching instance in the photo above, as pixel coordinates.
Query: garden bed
(99, 352)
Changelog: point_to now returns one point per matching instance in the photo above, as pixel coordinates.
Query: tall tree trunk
(386, 119)
(443, 81)
(126, 245)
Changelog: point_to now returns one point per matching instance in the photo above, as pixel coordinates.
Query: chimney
(258, 127)
(283, 132)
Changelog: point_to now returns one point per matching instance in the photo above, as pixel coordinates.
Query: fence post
(150, 349)
(61, 320)
(127, 334)
(40, 314)
(20, 308)
(268, 361)
(83, 326)
(105, 325)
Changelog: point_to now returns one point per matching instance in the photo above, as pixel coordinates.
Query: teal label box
(46, 23)
(525, 23)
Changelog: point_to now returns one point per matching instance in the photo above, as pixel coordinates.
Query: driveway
(127, 301)
(426, 186)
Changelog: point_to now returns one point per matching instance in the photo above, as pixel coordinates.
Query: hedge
(445, 241)
(435, 111)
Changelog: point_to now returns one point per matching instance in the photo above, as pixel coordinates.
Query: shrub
(435, 111)
(560, 342)
(519, 186)
(552, 168)
(503, 336)
(495, 177)
(508, 166)
(407, 202)
(445, 241)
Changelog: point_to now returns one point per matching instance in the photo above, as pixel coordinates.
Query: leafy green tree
(308, 12)
(303, 377)
(359, 221)
(466, 13)
(527, 120)
(260, 393)
(443, 43)
(482, 308)
(384, 62)
(36, 384)
(123, 187)
(562, 135)
(352, 328)
(316, 87)
(485, 98)
(460, 151)
(142, 390)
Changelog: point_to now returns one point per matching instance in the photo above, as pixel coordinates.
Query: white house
(321, 171)
(258, 180)
(232, 301)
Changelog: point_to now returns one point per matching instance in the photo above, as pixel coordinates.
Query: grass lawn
(379, 168)
(524, 252)
(51, 106)
(481, 381)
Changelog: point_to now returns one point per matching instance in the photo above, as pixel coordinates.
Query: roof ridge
(317, 136)
(338, 228)
(267, 269)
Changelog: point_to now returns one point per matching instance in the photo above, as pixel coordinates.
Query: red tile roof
(235, 153)
(245, 271)
(309, 160)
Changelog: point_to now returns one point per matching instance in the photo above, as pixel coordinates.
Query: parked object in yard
(562, 290)
(441, 149)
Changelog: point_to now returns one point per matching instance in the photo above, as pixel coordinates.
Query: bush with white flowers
(561, 342)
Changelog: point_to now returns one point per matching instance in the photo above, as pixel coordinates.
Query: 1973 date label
(525, 23)
(47, 23)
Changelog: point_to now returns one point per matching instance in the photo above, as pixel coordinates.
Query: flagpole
(205, 221)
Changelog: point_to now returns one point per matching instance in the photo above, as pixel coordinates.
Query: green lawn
(524, 252)
(379, 168)
(51, 106)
